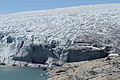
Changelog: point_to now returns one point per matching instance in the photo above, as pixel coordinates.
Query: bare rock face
(100, 69)
(57, 36)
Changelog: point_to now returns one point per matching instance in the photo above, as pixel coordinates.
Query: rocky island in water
(79, 38)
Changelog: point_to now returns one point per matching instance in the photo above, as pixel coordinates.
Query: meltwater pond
(15, 73)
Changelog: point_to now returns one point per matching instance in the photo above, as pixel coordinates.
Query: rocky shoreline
(100, 69)
(26, 64)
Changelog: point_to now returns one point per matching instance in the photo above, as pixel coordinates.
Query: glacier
(58, 36)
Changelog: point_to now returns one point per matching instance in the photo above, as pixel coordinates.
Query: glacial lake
(16, 73)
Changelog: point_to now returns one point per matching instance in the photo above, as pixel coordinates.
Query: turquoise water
(15, 73)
